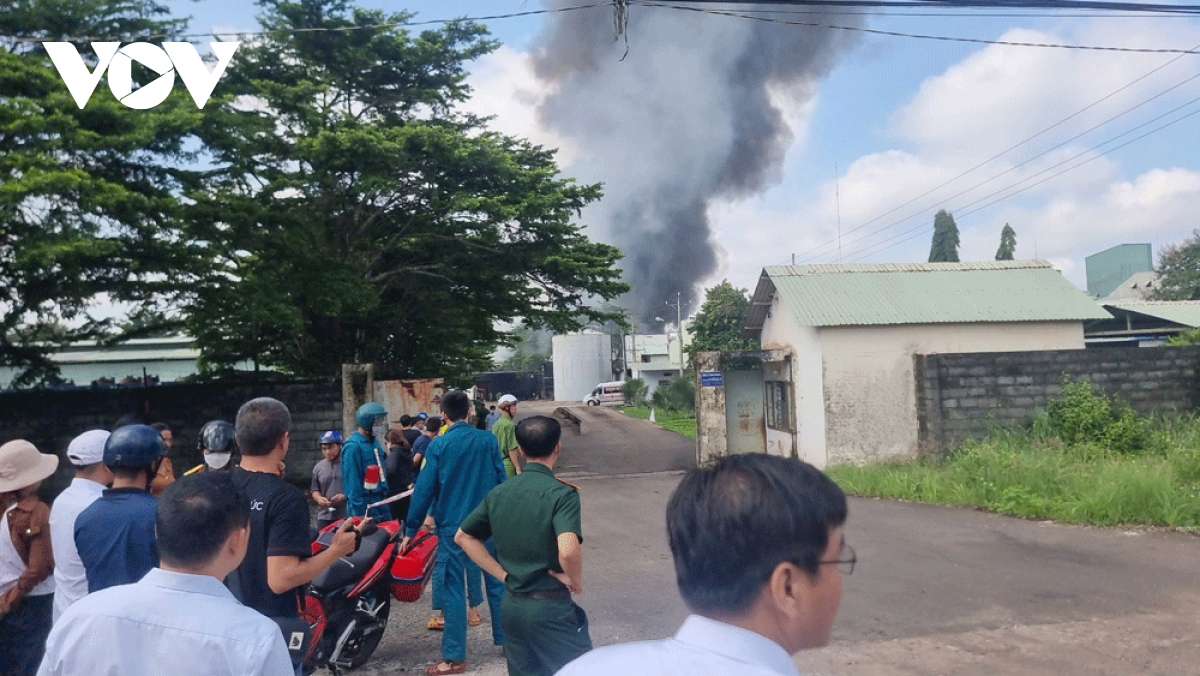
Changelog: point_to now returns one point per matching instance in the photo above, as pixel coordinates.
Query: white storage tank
(581, 361)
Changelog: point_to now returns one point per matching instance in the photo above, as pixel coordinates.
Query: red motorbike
(347, 605)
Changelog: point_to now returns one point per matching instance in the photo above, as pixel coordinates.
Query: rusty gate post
(358, 387)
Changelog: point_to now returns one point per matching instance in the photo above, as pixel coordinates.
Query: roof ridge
(860, 268)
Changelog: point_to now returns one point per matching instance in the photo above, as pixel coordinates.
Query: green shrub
(1081, 416)
(677, 394)
(635, 392)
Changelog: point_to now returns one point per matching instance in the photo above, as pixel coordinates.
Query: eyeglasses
(845, 560)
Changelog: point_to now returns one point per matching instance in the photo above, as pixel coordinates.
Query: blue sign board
(712, 379)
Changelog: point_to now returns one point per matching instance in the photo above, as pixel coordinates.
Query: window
(646, 358)
(779, 412)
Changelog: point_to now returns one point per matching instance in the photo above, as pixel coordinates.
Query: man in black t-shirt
(406, 428)
(278, 556)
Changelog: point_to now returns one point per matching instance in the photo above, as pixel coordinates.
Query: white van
(607, 394)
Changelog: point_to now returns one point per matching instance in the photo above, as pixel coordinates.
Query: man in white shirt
(178, 619)
(759, 558)
(92, 476)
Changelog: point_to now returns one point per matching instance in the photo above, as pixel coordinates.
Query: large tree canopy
(1179, 270)
(352, 213)
(718, 326)
(86, 196)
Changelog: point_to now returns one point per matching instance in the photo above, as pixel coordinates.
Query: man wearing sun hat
(26, 557)
(92, 476)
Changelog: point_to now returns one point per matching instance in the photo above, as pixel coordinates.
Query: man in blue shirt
(461, 467)
(179, 619)
(362, 452)
(115, 534)
(759, 557)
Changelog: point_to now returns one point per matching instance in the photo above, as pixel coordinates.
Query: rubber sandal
(473, 618)
(436, 624)
(451, 667)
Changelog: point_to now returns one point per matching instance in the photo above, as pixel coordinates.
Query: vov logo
(171, 58)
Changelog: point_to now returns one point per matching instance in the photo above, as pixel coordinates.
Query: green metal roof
(925, 293)
(1185, 312)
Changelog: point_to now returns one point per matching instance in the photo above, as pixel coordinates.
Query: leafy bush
(1080, 415)
(677, 394)
(635, 392)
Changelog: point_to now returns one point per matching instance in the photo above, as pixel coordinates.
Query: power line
(1010, 149)
(317, 29)
(969, 4)
(1047, 152)
(918, 230)
(915, 36)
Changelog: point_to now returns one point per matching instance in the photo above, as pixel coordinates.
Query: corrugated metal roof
(1185, 312)
(922, 293)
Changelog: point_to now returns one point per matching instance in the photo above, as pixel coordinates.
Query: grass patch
(682, 423)
(1034, 474)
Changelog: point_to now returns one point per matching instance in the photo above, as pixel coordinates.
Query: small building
(1139, 286)
(1142, 323)
(835, 379)
(139, 361)
(656, 357)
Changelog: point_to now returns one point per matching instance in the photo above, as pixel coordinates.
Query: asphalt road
(937, 590)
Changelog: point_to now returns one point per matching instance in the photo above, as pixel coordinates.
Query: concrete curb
(564, 412)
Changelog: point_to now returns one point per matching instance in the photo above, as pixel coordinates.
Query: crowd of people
(132, 570)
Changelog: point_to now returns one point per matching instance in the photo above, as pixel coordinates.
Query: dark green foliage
(944, 248)
(1179, 270)
(677, 394)
(1080, 415)
(635, 392)
(718, 326)
(354, 214)
(87, 197)
(1008, 244)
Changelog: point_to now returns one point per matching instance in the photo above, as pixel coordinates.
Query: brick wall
(51, 418)
(960, 396)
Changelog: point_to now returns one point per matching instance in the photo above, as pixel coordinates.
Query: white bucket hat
(22, 465)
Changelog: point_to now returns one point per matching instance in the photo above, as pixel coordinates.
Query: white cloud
(506, 90)
(991, 100)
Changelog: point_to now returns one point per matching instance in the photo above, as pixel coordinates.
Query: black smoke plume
(690, 116)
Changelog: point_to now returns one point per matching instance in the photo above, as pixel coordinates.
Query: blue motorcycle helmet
(137, 446)
(368, 413)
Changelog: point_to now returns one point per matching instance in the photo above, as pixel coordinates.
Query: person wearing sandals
(26, 558)
(462, 466)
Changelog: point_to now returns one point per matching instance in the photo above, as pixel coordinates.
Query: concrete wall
(780, 332)
(868, 371)
(51, 418)
(963, 395)
(711, 442)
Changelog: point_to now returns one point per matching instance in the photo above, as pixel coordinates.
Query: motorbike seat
(350, 569)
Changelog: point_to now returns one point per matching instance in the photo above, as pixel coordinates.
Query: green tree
(354, 214)
(87, 197)
(718, 326)
(945, 239)
(1179, 270)
(1008, 244)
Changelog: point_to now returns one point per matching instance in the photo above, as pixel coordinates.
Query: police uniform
(524, 516)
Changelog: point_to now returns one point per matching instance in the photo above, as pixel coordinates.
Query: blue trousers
(474, 583)
(452, 580)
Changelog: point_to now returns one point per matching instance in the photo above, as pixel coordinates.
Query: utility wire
(1038, 156)
(317, 29)
(916, 36)
(968, 4)
(1004, 152)
(918, 230)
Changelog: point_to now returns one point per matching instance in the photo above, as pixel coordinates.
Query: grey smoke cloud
(689, 117)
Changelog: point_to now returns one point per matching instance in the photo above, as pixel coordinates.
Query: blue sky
(899, 116)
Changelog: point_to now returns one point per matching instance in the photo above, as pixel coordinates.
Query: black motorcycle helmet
(136, 446)
(216, 436)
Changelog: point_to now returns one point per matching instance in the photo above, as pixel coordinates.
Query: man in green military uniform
(533, 520)
(506, 435)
